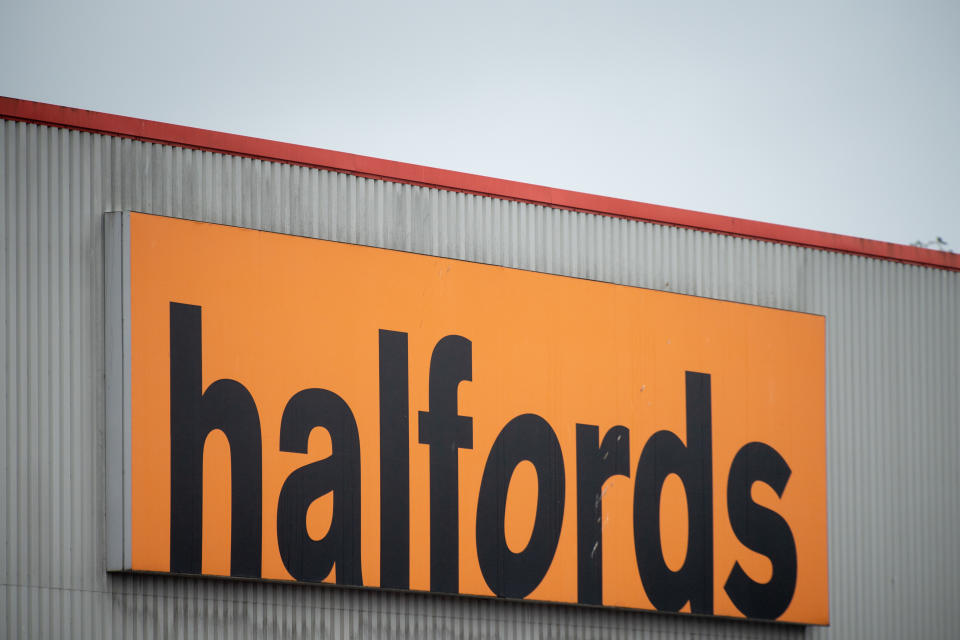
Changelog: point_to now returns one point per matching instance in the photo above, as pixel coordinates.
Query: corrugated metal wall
(893, 402)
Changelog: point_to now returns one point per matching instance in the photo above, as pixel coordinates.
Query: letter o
(508, 574)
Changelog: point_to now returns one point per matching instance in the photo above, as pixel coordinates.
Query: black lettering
(394, 461)
(307, 559)
(761, 530)
(225, 405)
(509, 574)
(445, 431)
(663, 455)
(595, 464)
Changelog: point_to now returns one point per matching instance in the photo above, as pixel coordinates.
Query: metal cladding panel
(893, 407)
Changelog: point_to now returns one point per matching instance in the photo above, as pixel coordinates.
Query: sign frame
(118, 414)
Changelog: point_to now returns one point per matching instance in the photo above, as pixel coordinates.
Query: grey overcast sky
(841, 116)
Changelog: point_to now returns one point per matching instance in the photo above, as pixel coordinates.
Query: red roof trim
(149, 131)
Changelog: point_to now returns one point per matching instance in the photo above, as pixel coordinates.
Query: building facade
(892, 365)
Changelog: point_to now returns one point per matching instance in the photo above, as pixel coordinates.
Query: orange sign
(308, 410)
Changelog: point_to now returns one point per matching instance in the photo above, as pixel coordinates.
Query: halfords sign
(295, 409)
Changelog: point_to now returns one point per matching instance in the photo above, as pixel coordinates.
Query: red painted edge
(202, 139)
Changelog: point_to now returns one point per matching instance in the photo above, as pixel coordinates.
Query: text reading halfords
(229, 406)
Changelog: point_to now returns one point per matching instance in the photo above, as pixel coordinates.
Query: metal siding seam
(7, 377)
(30, 509)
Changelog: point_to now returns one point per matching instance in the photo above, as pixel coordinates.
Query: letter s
(761, 530)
